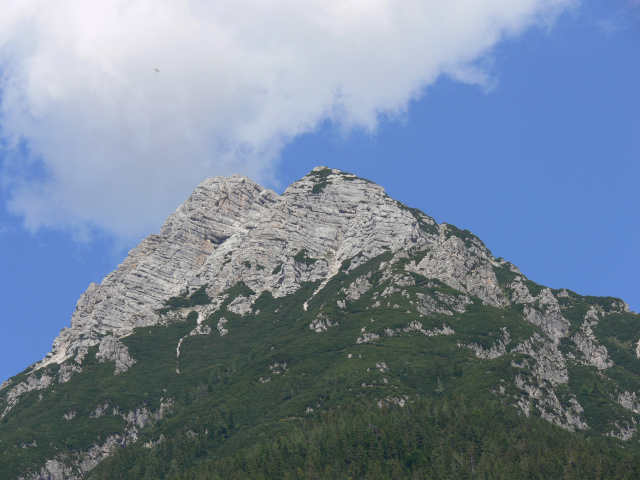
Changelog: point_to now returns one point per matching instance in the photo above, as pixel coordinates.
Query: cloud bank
(111, 112)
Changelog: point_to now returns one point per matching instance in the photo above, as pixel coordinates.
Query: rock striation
(231, 229)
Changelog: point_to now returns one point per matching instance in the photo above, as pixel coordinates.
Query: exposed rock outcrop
(417, 326)
(34, 382)
(520, 293)
(442, 303)
(321, 323)
(465, 268)
(230, 230)
(550, 407)
(549, 363)
(360, 286)
(240, 305)
(112, 349)
(222, 330)
(546, 314)
(66, 468)
(499, 349)
(585, 340)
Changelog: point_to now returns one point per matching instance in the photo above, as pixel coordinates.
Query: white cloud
(112, 111)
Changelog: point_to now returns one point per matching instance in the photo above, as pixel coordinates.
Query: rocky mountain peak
(232, 199)
(279, 305)
(233, 230)
(334, 183)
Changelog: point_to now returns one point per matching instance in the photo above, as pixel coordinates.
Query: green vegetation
(199, 297)
(454, 437)
(605, 302)
(321, 179)
(318, 187)
(505, 276)
(420, 218)
(273, 398)
(466, 236)
(302, 257)
(320, 175)
(234, 292)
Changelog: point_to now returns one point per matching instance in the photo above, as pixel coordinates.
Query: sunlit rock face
(232, 229)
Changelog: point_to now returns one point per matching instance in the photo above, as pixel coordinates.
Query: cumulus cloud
(111, 111)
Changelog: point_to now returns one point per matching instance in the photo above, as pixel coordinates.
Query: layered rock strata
(232, 229)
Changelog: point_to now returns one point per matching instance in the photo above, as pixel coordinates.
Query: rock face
(547, 315)
(593, 354)
(231, 229)
(467, 268)
(113, 350)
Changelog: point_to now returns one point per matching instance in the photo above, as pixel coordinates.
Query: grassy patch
(303, 257)
(199, 297)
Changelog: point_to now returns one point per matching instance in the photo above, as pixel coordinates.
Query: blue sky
(532, 143)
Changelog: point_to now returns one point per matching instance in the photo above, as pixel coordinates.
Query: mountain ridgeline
(328, 332)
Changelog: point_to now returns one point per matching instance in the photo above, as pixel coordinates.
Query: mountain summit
(251, 313)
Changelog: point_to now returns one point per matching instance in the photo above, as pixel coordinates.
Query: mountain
(328, 332)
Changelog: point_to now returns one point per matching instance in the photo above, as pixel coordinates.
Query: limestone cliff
(231, 229)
